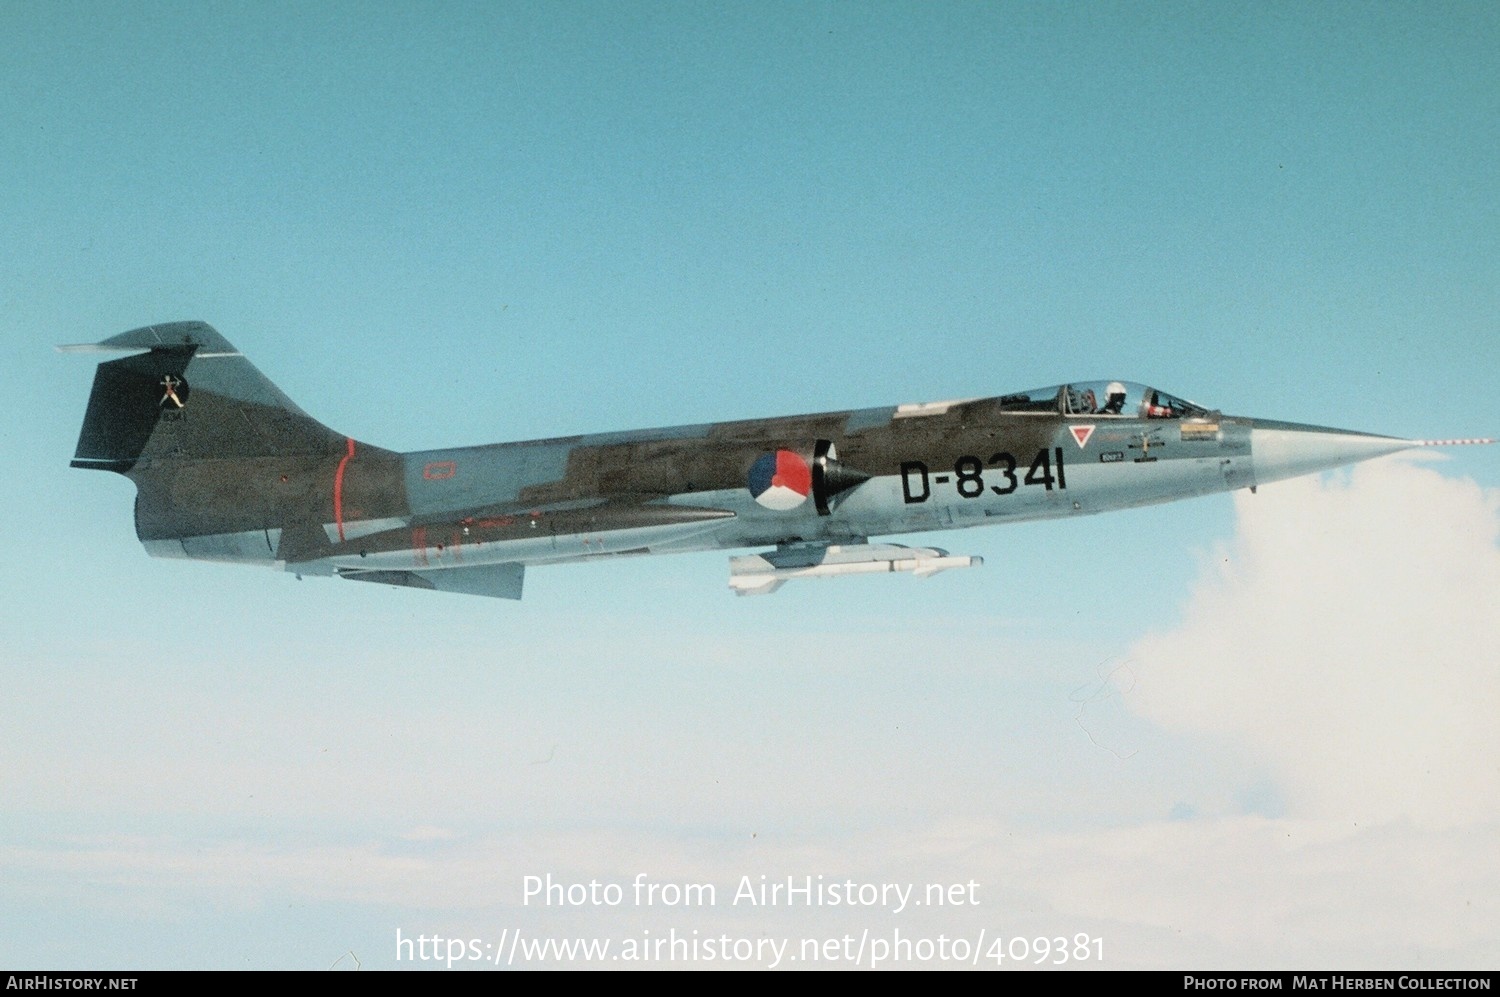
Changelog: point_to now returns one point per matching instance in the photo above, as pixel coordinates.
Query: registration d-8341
(973, 478)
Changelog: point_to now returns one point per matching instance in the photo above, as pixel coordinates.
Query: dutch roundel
(780, 480)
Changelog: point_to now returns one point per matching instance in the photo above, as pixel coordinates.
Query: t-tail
(226, 465)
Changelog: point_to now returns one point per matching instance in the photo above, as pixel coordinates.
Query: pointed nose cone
(1285, 449)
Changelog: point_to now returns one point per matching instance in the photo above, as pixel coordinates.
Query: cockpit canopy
(1097, 399)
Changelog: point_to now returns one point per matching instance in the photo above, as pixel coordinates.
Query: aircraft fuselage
(228, 468)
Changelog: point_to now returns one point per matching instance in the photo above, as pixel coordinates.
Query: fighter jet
(228, 468)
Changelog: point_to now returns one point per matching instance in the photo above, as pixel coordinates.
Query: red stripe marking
(338, 490)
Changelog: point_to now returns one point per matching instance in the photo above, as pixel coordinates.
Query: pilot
(1114, 399)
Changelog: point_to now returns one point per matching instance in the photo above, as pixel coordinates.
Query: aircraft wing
(483, 554)
(499, 581)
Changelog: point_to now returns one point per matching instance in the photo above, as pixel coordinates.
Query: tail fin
(190, 394)
(226, 467)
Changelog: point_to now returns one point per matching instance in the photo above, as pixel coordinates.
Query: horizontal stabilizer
(164, 336)
(762, 574)
(498, 581)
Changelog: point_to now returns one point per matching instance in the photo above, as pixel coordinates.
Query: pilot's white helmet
(1115, 388)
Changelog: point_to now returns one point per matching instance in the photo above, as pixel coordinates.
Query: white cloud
(1346, 637)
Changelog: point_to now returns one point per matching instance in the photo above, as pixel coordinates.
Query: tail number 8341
(972, 477)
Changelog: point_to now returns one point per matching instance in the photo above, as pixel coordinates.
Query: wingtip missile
(762, 574)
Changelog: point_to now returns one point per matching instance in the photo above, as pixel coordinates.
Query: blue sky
(455, 224)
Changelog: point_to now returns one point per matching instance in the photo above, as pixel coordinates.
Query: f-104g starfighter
(228, 468)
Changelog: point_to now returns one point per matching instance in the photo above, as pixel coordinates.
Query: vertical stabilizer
(226, 467)
(188, 393)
